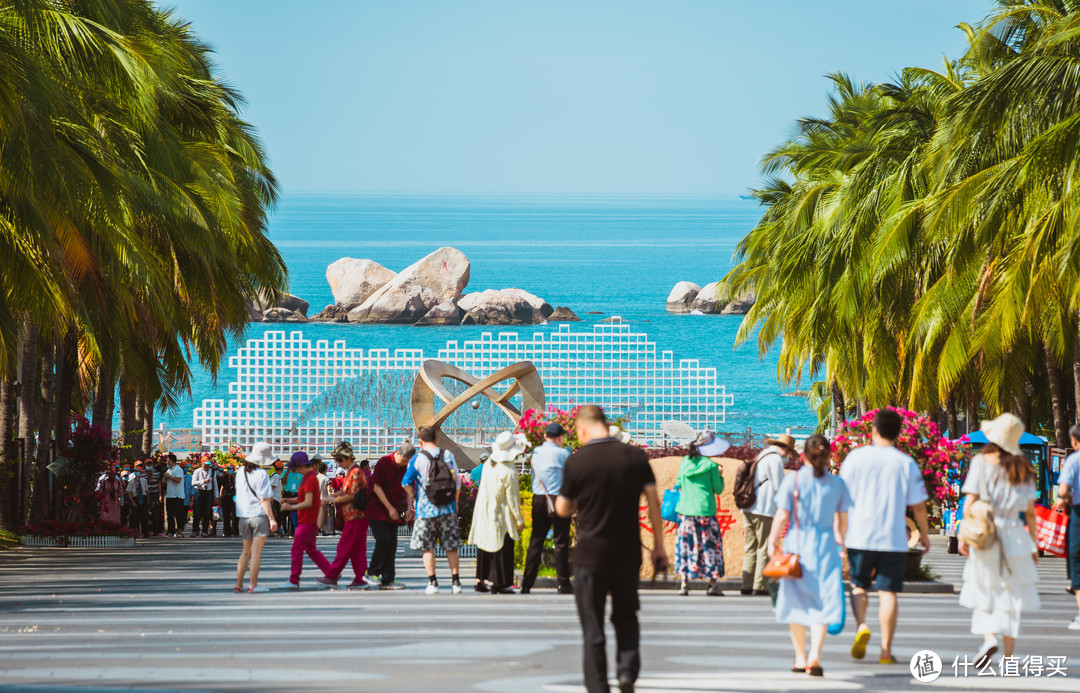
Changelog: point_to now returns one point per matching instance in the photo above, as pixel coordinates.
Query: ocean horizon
(600, 255)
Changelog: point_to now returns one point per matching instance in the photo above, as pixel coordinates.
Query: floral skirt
(699, 549)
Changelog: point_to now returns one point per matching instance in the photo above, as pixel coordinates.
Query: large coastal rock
(409, 296)
(446, 313)
(283, 315)
(504, 307)
(709, 299)
(680, 298)
(740, 305)
(259, 309)
(353, 281)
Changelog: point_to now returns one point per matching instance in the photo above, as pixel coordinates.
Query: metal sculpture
(429, 386)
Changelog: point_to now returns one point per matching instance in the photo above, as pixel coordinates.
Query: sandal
(796, 669)
(815, 670)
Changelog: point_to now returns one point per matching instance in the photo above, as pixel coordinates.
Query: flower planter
(104, 542)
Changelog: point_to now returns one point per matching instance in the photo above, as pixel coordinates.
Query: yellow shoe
(862, 639)
(887, 660)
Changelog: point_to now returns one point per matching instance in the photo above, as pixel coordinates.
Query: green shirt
(700, 483)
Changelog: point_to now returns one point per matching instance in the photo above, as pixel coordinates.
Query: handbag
(1051, 528)
(977, 529)
(667, 508)
(786, 565)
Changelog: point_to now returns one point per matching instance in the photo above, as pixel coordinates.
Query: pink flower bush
(532, 423)
(935, 454)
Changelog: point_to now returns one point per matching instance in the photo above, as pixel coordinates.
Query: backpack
(362, 497)
(745, 491)
(440, 486)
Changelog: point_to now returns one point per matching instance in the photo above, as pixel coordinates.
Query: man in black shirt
(603, 482)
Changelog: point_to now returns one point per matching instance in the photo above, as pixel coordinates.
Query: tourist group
(799, 526)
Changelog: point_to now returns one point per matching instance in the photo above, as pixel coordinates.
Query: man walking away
(202, 480)
(548, 462)
(174, 497)
(226, 481)
(603, 482)
(432, 484)
(155, 492)
(1069, 501)
(884, 483)
(306, 504)
(768, 472)
(352, 546)
(384, 516)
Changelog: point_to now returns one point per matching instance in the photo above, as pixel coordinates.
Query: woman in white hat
(255, 513)
(699, 548)
(497, 520)
(1000, 579)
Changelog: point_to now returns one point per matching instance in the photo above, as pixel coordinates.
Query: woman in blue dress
(817, 503)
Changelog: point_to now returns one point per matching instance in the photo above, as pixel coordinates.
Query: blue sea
(602, 255)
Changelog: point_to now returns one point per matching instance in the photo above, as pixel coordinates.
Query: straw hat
(783, 440)
(261, 454)
(508, 446)
(1005, 432)
(618, 434)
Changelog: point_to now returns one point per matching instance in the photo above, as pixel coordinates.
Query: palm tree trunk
(66, 376)
(104, 393)
(952, 416)
(129, 421)
(1022, 405)
(972, 411)
(147, 415)
(27, 401)
(39, 500)
(1057, 398)
(839, 410)
(8, 466)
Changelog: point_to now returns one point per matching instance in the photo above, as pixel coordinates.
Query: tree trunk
(67, 365)
(1057, 399)
(8, 467)
(1076, 382)
(27, 401)
(129, 421)
(39, 500)
(1022, 405)
(104, 397)
(952, 416)
(839, 410)
(147, 426)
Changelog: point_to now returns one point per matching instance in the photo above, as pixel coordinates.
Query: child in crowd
(306, 504)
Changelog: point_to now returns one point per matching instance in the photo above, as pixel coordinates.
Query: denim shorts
(889, 566)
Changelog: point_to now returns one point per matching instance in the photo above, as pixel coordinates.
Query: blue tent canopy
(979, 438)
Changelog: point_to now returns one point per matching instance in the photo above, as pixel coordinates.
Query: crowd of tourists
(799, 526)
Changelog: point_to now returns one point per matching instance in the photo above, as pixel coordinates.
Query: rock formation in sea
(439, 277)
(563, 314)
(288, 308)
(353, 281)
(687, 297)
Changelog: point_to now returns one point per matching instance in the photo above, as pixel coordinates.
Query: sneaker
(566, 589)
(395, 585)
(862, 639)
(455, 588)
(989, 649)
(289, 585)
(684, 589)
(431, 589)
(481, 587)
(746, 593)
(326, 582)
(259, 589)
(371, 577)
(714, 591)
(1074, 624)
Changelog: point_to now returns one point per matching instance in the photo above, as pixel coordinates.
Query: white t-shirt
(247, 503)
(175, 489)
(767, 478)
(275, 484)
(883, 482)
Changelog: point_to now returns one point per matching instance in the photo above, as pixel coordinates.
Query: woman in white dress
(1000, 580)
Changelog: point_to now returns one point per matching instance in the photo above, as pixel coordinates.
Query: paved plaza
(162, 616)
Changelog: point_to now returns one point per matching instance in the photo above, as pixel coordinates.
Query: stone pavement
(162, 616)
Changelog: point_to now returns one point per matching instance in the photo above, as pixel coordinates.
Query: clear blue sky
(665, 96)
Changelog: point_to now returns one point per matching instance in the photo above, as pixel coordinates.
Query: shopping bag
(838, 627)
(667, 509)
(1051, 526)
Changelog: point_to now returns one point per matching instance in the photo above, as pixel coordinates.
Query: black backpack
(441, 488)
(745, 490)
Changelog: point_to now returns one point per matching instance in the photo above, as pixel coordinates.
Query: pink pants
(304, 541)
(352, 546)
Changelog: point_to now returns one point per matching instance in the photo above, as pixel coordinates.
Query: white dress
(1000, 581)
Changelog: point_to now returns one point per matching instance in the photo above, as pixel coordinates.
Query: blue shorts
(890, 567)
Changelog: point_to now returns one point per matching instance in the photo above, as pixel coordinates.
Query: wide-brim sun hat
(508, 446)
(708, 445)
(618, 434)
(261, 455)
(1005, 432)
(783, 440)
